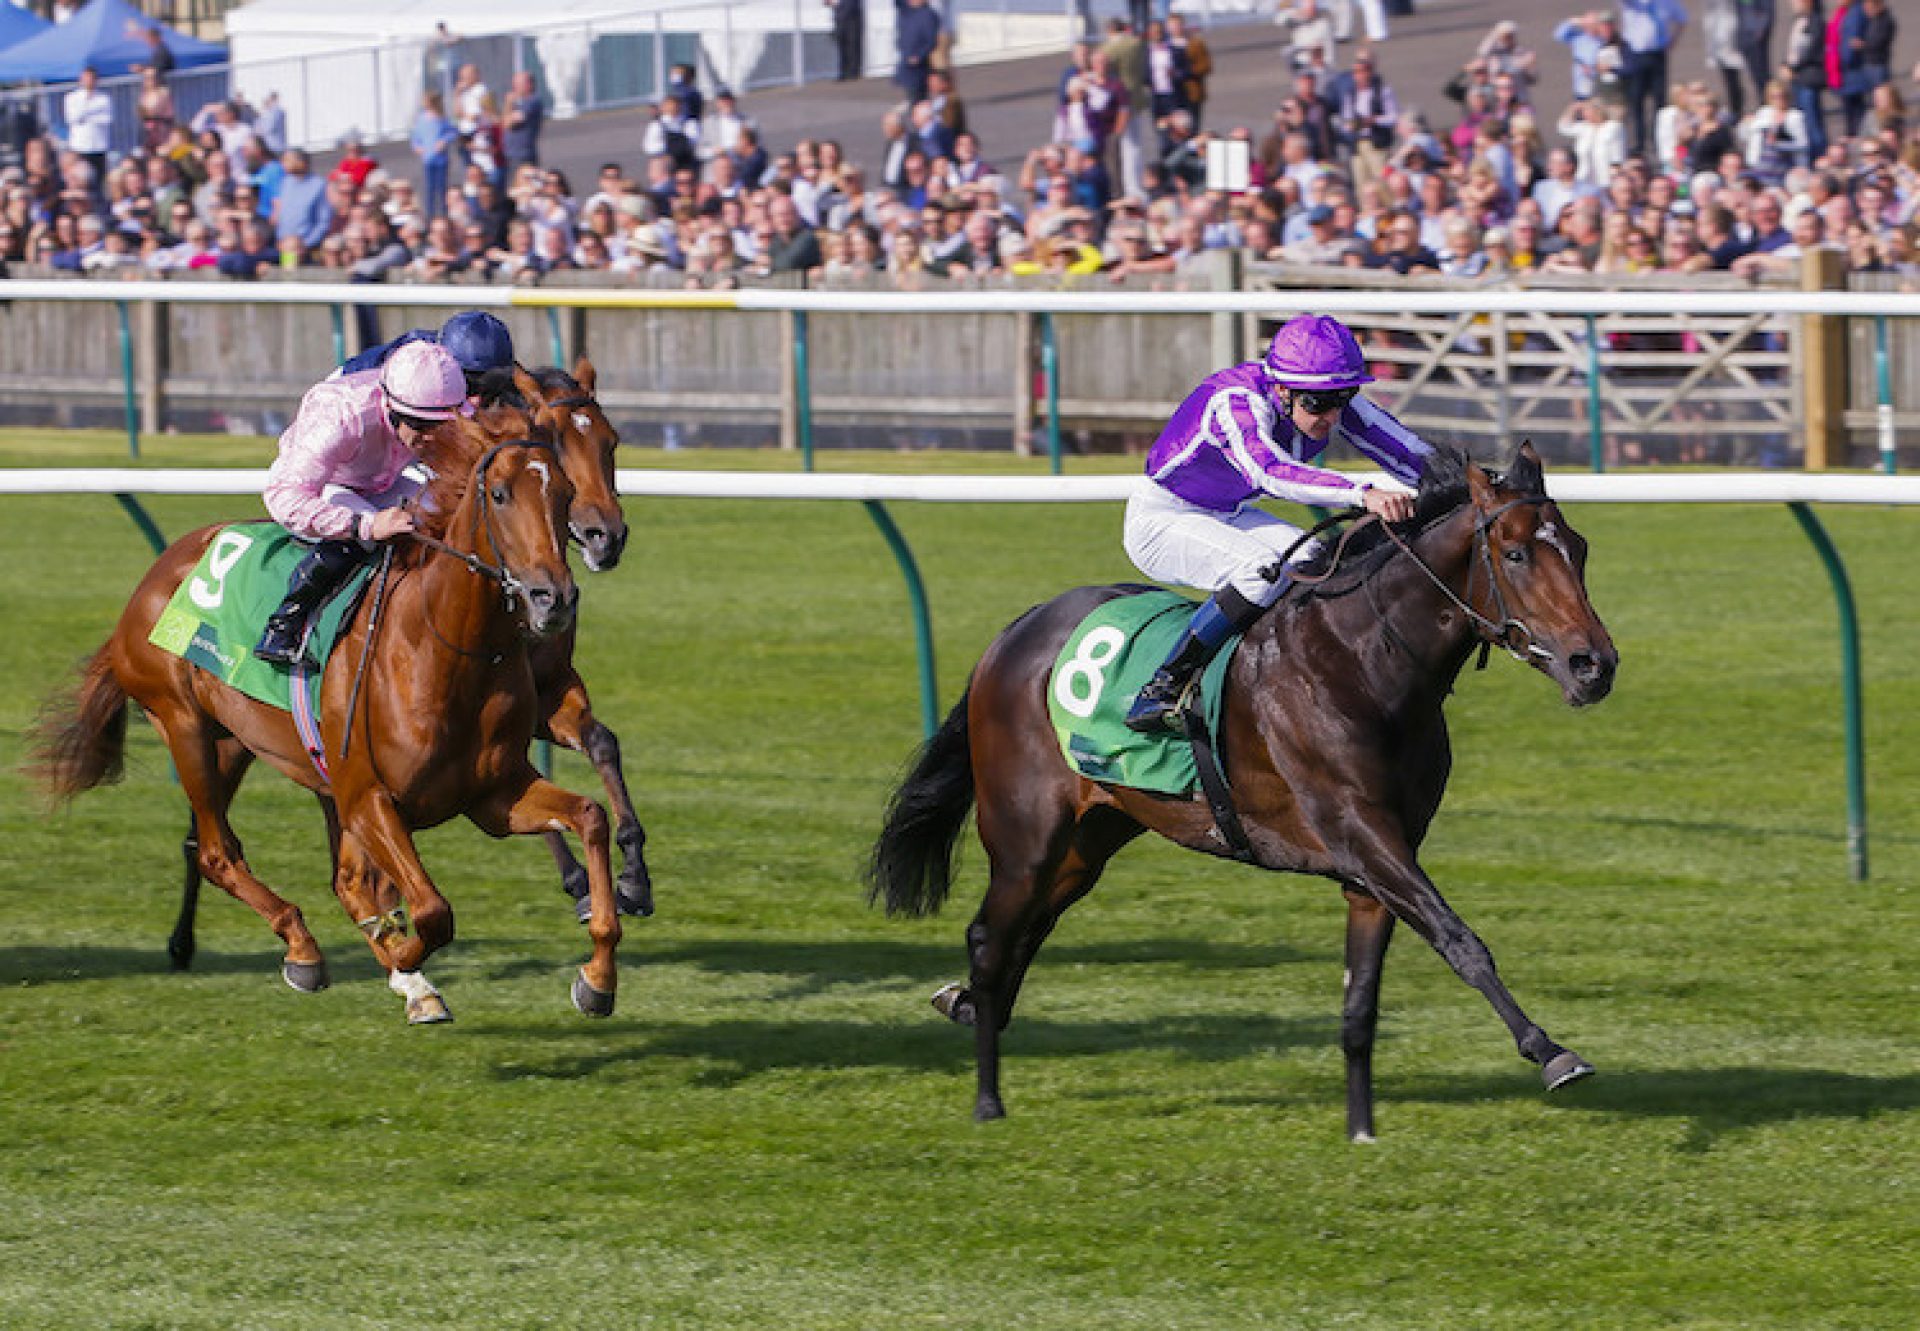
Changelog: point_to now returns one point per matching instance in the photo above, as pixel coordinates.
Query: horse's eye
(1517, 554)
(499, 494)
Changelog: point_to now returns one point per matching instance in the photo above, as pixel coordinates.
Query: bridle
(511, 587)
(1497, 632)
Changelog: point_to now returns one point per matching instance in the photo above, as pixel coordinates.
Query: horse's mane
(1443, 489)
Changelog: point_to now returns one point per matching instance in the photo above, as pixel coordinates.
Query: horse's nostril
(541, 596)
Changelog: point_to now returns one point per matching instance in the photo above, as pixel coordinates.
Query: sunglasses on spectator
(1317, 402)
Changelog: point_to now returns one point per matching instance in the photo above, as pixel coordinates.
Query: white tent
(364, 64)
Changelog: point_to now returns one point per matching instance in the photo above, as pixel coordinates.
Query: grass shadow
(734, 1052)
(1712, 1101)
(35, 965)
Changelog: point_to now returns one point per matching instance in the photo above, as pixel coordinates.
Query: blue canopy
(17, 24)
(106, 35)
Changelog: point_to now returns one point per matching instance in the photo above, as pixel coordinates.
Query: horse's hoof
(574, 883)
(1565, 1068)
(954, 1003)
(307, 977)
(582, 909)
(427, 1010)
(988, 1108)
(634, 896)
(591, 1001)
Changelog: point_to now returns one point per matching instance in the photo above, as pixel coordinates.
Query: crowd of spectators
(1642, 172)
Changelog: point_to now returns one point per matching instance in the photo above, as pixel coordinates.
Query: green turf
(773, 1131)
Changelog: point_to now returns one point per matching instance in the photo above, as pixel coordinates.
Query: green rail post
(126, 380)
(803, 391)
(922, 619)
(1596, 431)
(1850, 689)
(1050, 373)
(141, 519)
(1883, 376)
(339, 334)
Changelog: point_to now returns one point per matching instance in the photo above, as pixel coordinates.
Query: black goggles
(1318, 402)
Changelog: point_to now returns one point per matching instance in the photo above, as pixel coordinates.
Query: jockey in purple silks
(1245, 433)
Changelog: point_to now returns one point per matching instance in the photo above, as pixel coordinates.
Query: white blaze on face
(582, 422)
(1550, 533)
(546, 488)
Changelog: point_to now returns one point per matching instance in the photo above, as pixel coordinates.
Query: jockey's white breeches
(1173, 541)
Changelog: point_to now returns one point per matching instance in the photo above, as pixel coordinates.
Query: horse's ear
(583, 373)
(1526, 475)
(537, 409)
(1480, 485)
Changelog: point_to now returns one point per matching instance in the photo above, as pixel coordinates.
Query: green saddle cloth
(219, 610)
(1106, 661)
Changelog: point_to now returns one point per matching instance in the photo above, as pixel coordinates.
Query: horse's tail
(80, 738)
(912, 863)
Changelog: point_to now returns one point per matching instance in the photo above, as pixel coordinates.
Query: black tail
(912, 864)
(80, 739)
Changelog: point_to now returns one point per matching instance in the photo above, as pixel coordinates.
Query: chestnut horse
(1333, 741)
(558, 406)
(440, 722)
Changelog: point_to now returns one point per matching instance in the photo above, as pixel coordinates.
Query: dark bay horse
(1333, 740)
(440, 727)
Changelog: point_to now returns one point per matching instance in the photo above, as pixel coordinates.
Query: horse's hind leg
(209, 785)
(571, 722)
(1369, 930)
(232, 758)
(1025, 899)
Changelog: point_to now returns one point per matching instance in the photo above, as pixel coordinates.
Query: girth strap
(1213, 780)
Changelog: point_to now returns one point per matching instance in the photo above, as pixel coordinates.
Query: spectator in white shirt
(89, 116)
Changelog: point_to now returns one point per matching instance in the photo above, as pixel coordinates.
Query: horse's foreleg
(369, 898)
(570, 721)
(1369, 930)
(541, 806)
(1394, 878)
(373, 826)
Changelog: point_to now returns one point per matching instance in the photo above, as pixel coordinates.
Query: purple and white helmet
(1315, 351)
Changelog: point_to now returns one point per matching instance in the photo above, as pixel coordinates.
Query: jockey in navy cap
(1246, 433)
(477, 340)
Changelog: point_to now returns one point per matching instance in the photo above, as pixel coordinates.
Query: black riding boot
(314, 579)
(1225, 613)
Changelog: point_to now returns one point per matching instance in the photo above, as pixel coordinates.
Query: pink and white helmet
(423, 380)
(1315, 351)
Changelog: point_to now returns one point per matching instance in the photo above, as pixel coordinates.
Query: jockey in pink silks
(340, 479)
(1246, 433)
